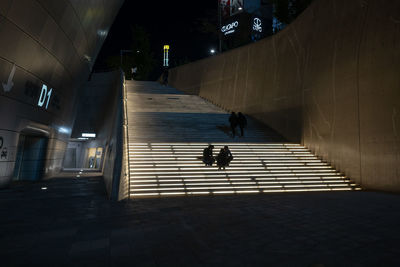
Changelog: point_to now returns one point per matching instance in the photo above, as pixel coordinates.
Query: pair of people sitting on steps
(223, 158)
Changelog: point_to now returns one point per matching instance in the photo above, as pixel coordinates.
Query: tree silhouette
(140, 56)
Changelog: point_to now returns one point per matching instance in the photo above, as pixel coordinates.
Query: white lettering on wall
(257, 25)
(230, 28)
(44, 95)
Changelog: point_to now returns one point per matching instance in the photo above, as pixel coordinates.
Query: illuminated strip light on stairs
(175, 170)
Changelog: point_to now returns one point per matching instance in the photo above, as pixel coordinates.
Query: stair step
(196, 157)
(254, 191)
(240, 180)
(260, 162)
(230, 183)
(233, 186)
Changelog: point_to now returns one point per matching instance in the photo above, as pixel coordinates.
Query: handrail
(126, 133)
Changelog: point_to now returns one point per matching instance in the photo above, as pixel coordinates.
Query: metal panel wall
(47, 51)
(330, 80)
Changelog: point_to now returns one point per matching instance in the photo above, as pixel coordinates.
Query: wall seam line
(363, 25)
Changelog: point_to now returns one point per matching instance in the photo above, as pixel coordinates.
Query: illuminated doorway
(94, 158)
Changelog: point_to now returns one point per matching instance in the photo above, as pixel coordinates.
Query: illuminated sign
(44, 95)
(92, 135)
(230, 28)
(257, 25)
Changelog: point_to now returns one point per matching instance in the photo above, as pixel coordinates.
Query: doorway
(31, 158)
(94, 158)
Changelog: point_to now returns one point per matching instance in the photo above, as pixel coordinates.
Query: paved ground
(73, 224)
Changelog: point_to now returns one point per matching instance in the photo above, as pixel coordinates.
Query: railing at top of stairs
(124, 187)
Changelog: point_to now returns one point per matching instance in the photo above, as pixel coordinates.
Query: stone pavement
(72, 223)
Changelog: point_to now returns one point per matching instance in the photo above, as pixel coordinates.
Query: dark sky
(167, 22)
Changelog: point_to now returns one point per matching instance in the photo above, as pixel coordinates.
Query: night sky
(167, 22)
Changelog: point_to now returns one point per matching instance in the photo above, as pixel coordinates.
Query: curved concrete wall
(52, 43)
(330, 80)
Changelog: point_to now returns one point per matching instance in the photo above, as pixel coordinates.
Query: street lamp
(166, 56)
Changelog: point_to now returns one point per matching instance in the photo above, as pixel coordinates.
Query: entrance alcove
(31, 157)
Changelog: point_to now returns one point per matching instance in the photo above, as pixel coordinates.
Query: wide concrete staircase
(166, 143)
(159, 169)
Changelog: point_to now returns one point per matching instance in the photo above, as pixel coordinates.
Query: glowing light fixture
(174, 169)
(89, 135)
(166, 56)
(64, 130)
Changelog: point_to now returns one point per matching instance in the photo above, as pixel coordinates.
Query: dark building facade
(47, 52)
(243, 22)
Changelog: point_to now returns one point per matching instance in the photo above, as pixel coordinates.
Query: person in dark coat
(233, 120)
(208, 157)
(242, 123)
(224, 158)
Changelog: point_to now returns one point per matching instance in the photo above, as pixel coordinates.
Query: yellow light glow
(251, 182)
(198, 193)
(273, 191)
(270, 186)
(143, 181)
(342, 189)
(157, 189)
(224, 192)
(167, 184)
(205, 180)
(200, 184)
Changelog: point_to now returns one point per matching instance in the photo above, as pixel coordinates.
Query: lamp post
(166, 56)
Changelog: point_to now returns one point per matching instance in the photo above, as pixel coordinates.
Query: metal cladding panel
(47, 51)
